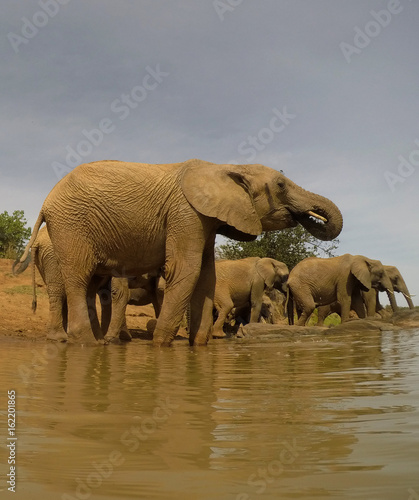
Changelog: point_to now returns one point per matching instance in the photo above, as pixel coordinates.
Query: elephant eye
(281, 185)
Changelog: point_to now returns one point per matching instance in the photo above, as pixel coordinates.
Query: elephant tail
(35, 231)
(34, 298)
(19, 266)
(289, 306)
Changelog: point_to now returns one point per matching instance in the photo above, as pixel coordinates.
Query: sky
(325, 90)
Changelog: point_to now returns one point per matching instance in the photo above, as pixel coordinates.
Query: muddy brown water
(316, 417)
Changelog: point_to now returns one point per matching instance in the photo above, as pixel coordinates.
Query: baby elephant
(316, 282)
(240, 283)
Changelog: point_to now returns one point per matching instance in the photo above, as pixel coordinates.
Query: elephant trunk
(320, 216)
(392, 299)
(408, 300)
(402, 288)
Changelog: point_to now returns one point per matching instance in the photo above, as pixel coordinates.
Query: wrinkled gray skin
(317, 282)
(47, 264)
(114, 295)
(371, 299)
(241, 283)
(127, 219)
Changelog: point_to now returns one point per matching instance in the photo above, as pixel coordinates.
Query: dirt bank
(17, 318)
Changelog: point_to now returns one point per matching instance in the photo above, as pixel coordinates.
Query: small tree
(13, 234)
(289, 246)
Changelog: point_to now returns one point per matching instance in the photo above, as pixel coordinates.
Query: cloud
(225, 78)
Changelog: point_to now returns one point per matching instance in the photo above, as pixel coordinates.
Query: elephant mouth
(316, 216)
(319, 223)
(311, 218)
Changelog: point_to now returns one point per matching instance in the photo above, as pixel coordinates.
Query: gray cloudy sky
(326, 90)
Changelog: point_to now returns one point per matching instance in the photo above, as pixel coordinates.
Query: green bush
(13, 234)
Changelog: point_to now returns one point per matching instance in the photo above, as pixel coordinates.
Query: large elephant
(371, 297)
(241, 283)
(122, 219)
(317, 282)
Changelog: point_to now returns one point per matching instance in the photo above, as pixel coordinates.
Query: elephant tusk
(390, 291)
(409, 296)
(317, 216)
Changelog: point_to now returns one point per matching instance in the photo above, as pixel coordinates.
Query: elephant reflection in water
(319, 282)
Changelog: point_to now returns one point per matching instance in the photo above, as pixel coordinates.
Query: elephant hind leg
(305, 316)
(223, 310)
(57, 323)
(306, 307)
(83, 325)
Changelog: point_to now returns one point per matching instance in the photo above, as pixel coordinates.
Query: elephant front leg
(345, 306)
(323, 313)
(176, 299)
(181, 277)
(359, 306)
(202, 302)
(256, 300)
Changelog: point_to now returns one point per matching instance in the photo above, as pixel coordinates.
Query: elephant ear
(361, 270)
(266, 270)
(222, 192)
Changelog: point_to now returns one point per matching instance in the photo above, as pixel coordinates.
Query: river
(317, 417)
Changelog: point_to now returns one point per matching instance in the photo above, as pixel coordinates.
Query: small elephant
(371, 299)
(241, 283)
(316, 282)
(111, 217)
(139, 291)
(271, 312)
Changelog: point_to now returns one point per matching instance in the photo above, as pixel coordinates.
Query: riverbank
(17, 318)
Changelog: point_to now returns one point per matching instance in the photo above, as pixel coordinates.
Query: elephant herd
(117, 226)
(341, 284)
